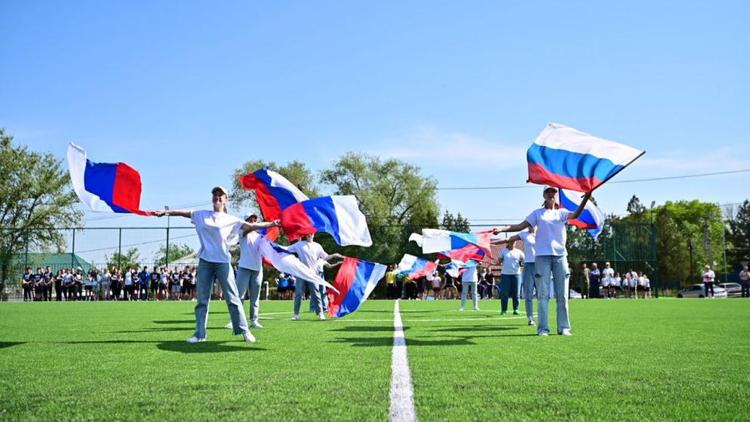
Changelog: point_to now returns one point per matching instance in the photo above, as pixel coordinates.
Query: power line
(130, 245)
(651, 179)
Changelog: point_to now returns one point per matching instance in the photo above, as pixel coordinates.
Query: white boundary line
(402, 393)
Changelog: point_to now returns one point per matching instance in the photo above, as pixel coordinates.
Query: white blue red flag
(591, 218)
(568, 158)
(355, 280)
(415, 267)
(468, 252)
(105, 187)
(338, 215)
(436, 240)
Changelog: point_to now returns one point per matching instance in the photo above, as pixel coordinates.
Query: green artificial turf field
(658, 359)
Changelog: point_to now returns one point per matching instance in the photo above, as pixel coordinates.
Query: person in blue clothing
(142, 287)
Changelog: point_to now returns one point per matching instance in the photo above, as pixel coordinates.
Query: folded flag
(105, 187)
(568, 158)
(591, 218)
(338, 215)
(415, 267)
(456, 267)
(355, 280)
(436, 240)
(274, 194)
(288, 263)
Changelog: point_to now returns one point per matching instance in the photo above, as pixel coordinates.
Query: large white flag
(288, 263)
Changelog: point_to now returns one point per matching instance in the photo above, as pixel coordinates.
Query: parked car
(733, 289)
(697, 290)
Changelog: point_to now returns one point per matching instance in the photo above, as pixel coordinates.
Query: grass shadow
(360, 328)
(181, 346)
(388, 341)
(476, 328)
(6, 344)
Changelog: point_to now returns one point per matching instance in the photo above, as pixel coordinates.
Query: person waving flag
(568, 158)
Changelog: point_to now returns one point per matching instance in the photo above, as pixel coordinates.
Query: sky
(186, 92)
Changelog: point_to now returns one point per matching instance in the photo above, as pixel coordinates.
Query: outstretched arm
(513, 228)
(172, 213)
(248, 227)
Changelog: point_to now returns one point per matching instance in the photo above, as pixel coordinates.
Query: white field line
(402, 393)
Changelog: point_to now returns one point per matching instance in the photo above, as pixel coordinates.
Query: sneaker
(194, 339)
(295, 317)
(516, 313)
(460, 309)
(229, 326)
(565, 332)
(477, 308)
(255, 324)
(531, 322)
(543, 334)
(503, 312)
(248, 337)
(322, 316)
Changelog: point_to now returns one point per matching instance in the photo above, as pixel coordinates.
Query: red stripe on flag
(342, 283)
(126, 192)
(539, 175)
(295, 222)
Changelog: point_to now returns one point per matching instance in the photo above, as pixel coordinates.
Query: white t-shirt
(512, 259)
(646, 282)
(436, 282)
(308, 252)
(249, 254)
(470, 275)
(607, 275)
(550, 231)
(616, 281)
(709, 276)
(217, 232)
(529, 246)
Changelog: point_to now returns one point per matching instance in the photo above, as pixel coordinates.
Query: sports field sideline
(658, 359)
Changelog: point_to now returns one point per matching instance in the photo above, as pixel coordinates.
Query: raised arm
(580, 207)
(334, 255)
(172, 213)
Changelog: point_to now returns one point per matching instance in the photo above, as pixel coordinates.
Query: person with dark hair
(708, 280)
(115, 282)
(745, 281)
(551, 263)
(217, 232)
(595, 278)
(309, 252)
(512, 260)
(59, 286)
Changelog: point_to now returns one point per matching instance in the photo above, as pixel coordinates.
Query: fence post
(73, 253)
(166, 255)
(119, 249)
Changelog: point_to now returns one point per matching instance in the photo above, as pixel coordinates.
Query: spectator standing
(469, 286)
(745, 281)
(511, 260)
(708, 280)
(309, 252)
(585, 280)
(595, 279)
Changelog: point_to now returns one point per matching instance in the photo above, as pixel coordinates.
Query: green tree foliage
(738, 237)
(176, 251)
(455, 223)
(295, 171)
(396, 198)
(130, 259)
(690, 234)
(36, 199)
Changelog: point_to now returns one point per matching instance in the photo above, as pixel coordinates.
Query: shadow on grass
(166, 329)
(6, 344)
(475, 328)
(175, 321)
(182, 346)
(388, 341)
(360, 328)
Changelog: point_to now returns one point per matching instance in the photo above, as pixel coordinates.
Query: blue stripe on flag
(572, 164)
(283, 196)
(322, 213)
(99, 179)
(356, 293)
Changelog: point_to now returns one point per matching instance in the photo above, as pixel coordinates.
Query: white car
(697, 290)
(733, 289)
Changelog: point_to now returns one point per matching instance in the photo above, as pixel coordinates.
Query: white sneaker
(566, 333)
(194, 339)
(229, 326)
(476, 309)
(322, 316)
(248, 337)
(295, 317)
(255, 324)
(543, 334)
(531, 322)
(460, 309)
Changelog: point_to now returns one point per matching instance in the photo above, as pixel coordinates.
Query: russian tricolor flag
(568, 158)
(436, 240)
(338, 215)
(591, 218)
(105, 187)
(415, 267)
(355, 280)
(273, 191)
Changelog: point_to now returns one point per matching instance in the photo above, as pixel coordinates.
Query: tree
(36, 200)
(455, 223)
(176, 251)
(295, 171)
(130, 259)
(396, 198)
(738, 237)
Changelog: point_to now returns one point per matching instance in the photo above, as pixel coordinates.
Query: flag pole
(618, 171)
